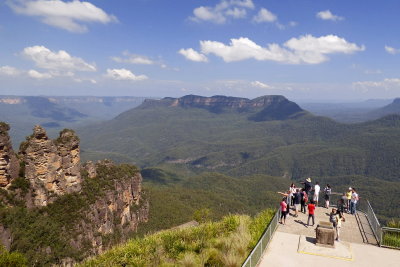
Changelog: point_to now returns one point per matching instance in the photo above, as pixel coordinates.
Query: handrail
(383, 235)
(256, 253)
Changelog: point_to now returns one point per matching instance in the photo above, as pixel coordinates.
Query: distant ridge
(392, 108)
(272, 107)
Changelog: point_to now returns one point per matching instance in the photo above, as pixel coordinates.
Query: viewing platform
(293, 244)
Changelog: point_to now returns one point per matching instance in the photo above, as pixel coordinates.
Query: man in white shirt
(354, 200)
(317, 188)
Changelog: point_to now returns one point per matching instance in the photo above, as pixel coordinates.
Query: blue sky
(303, 49)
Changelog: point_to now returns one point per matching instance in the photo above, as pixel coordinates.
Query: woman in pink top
(283, 210)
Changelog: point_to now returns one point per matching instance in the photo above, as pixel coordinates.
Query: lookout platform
(293, 244)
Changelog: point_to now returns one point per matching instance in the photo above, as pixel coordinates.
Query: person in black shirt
(297, 200)
(308, 186)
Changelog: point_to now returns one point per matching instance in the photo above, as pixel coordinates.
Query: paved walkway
(286, 247)
(350, 231)
(283, 252)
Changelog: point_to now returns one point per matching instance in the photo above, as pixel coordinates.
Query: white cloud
(225, 8)
(60, 61)
(133, 59)
(392, 50)
(39, 75)
(9, 71)
(260, 85)
(387, 84)
(264, 15)
(327, 15)
(70, 16)
(373, 71)
(237, 13)
(306, 49)
(193, 55)
(124, 74)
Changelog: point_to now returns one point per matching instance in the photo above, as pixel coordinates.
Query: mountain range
(58, 112)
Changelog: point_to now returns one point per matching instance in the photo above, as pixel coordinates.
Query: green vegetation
(174, 144)
(392, 238)
(44, 234)
(223, 243)
(11, 259)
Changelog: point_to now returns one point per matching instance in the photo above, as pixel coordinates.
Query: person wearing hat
(348, 195)
(308, 186)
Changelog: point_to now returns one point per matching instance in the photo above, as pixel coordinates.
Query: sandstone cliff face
(119, 211)
(108, 202)
(52, 167)
(9, 165)
(270, 107)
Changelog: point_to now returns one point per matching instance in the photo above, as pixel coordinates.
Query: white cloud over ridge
(305, 49)
(133, 59)
(193, 55)
(59, 61)
(260, 85)
(9, 71)
(387, 84)
(39, 75)
(264, 15)
(327, 15)
(219, 13)
(392, 50)
(124, 75)
(70, 16)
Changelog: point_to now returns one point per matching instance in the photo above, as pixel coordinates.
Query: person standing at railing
(354, 200)
(327, 192)
(317, 188)
(284, 207)
(292, 189)
(348, 195)
(308, 186)
(304, 199)
(297, 201)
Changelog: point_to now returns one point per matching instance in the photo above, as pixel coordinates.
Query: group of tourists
(307, 198)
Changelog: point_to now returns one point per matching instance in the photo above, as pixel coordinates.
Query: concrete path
(283, 251)
(350, 230)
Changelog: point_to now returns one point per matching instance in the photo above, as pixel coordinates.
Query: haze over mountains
(58, 112)
(240, 137)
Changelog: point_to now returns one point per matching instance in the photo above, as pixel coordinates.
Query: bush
(222, 243)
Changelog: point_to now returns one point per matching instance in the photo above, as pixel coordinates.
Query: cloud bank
(71, 16)
(124, 75)
(305, 49)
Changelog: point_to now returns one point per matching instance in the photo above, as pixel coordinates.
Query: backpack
(328, 191)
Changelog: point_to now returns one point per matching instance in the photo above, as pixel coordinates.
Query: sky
(309, 50)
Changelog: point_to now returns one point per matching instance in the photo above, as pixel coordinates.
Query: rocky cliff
(73, 211)
(9, 165)
(272, 107)
(51, 166)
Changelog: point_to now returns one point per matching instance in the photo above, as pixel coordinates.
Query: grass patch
(223, 243)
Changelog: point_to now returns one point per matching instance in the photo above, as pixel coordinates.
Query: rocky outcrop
(51, 166)
(9, 165)
(118, 212)
(272, 107)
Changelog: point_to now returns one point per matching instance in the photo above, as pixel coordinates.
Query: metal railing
(390, 237)
(385, 236)
(373, 220)
(255, 255)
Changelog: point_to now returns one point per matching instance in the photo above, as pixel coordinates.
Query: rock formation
(48, 169)
(120, 210)
(270, 107)
(52, 167)
(9, 165)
